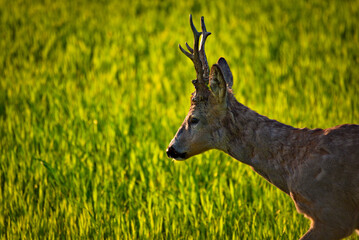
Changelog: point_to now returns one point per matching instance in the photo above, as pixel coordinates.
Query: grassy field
(92, 92)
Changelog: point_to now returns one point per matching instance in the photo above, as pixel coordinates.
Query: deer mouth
(172, 153)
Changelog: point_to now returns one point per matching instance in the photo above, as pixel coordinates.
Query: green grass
(91, 93)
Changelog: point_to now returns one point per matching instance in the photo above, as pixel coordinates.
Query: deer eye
(194, 120)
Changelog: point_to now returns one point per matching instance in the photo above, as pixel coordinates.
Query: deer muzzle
(172, 153)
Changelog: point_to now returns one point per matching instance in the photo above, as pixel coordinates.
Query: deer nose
(172, 153)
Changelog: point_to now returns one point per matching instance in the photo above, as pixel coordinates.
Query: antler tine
(197, 54)
(196, 34)
(204, 30)
(202, 53)
(191, 56)
(192, 53)
(189, 48)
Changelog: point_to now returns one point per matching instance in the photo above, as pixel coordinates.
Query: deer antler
(197, 54)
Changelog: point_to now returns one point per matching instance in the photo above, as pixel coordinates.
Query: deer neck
(258, 141)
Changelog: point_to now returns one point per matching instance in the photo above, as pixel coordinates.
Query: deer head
(202, 129)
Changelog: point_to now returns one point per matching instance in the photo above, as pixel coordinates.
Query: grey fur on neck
(257, 141)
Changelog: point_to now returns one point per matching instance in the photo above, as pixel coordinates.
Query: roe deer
(318, 168)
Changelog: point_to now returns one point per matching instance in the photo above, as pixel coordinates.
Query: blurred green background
(92, 92)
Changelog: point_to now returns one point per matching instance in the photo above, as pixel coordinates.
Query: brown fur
(318, 168)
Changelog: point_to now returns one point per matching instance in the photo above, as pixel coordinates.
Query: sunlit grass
(91, 93)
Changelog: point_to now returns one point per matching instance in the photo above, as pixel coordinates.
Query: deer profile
(317, 168)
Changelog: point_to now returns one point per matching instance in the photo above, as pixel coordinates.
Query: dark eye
(194, 120)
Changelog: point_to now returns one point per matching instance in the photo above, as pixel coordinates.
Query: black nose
(172, 153)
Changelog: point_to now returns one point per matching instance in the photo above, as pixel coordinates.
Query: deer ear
(226, 71)
(217, 83)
